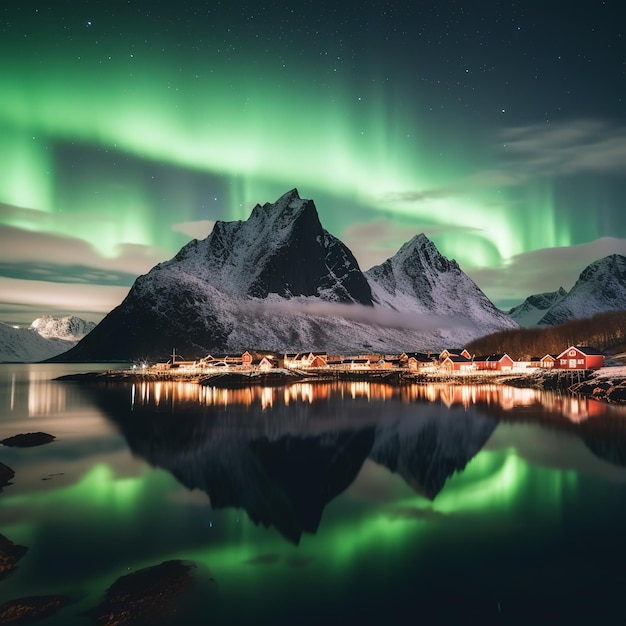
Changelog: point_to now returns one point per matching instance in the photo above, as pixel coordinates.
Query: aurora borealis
(128, 128)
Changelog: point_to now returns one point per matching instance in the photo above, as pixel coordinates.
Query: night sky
(127, 128)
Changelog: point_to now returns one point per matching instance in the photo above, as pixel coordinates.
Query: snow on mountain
(46, 338)
(600, 287)
(70, 328)
(26, 345)
(279, 281)
(529, 312)
(281, 249)
(418, 279)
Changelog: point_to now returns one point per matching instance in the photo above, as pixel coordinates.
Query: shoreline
(596, 384)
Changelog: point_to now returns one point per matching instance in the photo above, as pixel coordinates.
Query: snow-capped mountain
(281, 249)
(421, 280)
(46, 338)
(70, 328)
(279, 281)
(600, 287)
(529, 312)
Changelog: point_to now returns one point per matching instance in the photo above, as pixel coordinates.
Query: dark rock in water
(6, 474)
(10, 554)
(26, 440)
(29, 609)
(149, 593)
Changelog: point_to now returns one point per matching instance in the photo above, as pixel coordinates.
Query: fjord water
(326, 503)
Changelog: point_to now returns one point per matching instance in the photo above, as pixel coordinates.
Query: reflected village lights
(575, 408)
(48, 397)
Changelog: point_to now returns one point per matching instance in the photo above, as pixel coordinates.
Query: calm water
(320, 504)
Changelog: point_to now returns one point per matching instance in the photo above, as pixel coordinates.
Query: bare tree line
(604, 331)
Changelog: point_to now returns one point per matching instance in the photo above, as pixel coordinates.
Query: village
(448, 362)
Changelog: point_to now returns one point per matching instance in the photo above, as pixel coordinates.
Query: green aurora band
(494, 484)
(262, 137)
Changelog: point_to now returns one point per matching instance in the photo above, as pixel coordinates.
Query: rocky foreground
(607, 384)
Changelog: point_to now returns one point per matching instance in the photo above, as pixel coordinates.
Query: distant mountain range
(600, 287)
(279, 281)
(46, 337)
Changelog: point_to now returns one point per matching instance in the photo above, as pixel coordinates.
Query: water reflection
(304, 443)
(574, 408)
(283, 454)
(29, 390)
(470, 496)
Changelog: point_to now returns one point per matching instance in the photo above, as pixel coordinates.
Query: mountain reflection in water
(319, 504)
(283, 453)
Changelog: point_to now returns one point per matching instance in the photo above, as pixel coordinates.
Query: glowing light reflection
(575, 408)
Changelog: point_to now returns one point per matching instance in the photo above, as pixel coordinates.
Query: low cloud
(535, 151)
(66, 273)
(365, 314)
(59, 258)
(578, 146)
(435, 193)
(24, 300)
(542, 270)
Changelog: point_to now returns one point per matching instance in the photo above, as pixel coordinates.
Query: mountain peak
(419, 253)
(281, 249)
(600, 287)
(280, 217)
(70, 327)
(420, 279)
(288, 197)
(613, 264)
(46, 338)
(420, 241)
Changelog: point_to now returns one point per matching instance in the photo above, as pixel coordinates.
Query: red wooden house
(246, 359)
(579, 358)
(494, 362)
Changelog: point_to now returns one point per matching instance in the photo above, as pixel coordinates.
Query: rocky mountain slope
(601, 287)
(279, 281)
(421, 280)
(529, 312)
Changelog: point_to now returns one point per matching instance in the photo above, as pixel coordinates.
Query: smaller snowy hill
(420, 280)
(600, 287)
(529, 312)
(70, 328)
(47, 337)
